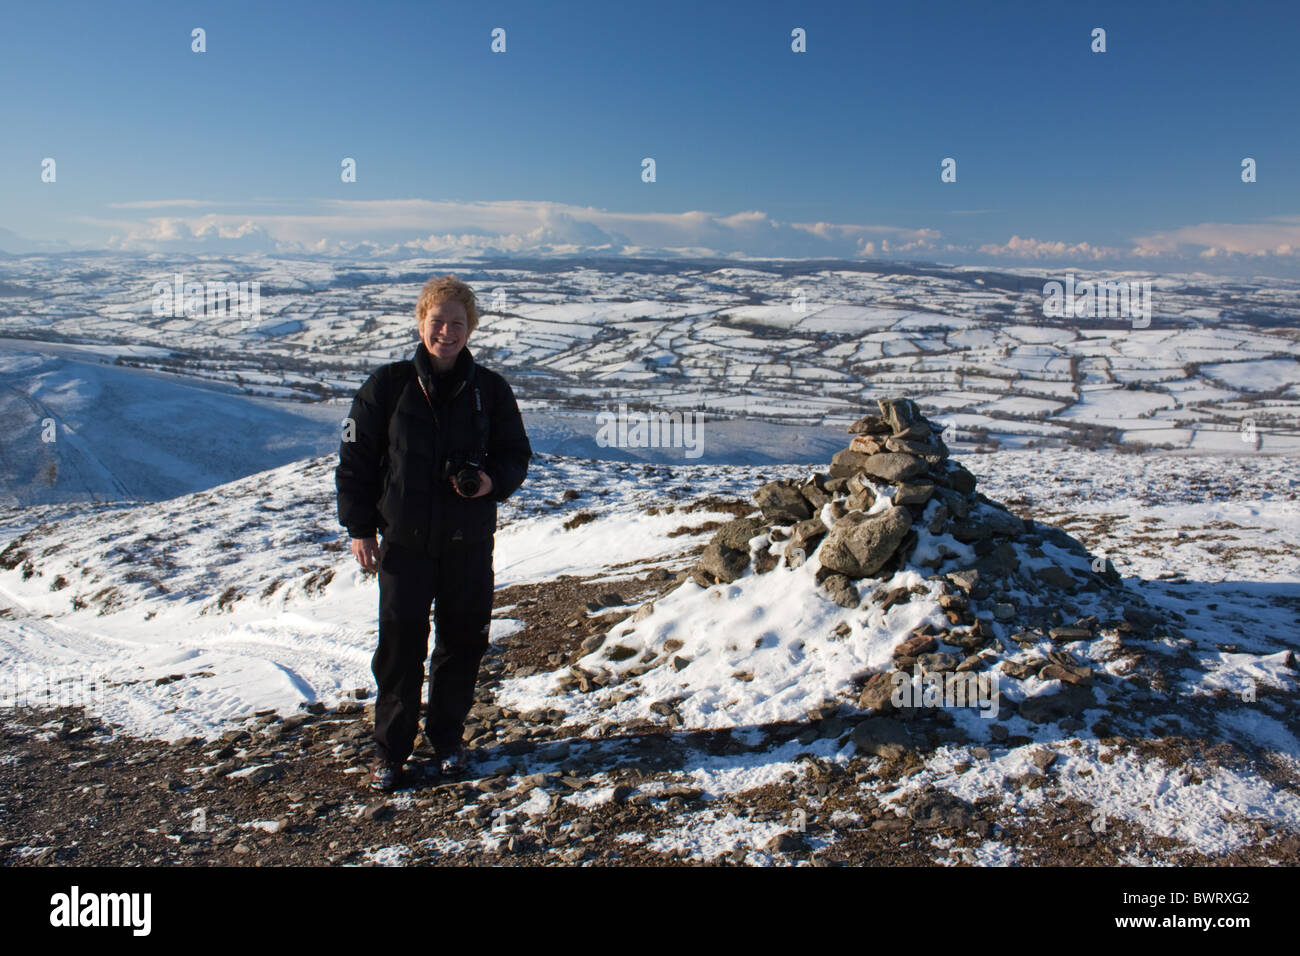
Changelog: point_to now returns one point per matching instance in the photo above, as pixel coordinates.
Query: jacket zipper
(458, 535)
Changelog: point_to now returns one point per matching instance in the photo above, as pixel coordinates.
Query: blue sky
(1128, 157)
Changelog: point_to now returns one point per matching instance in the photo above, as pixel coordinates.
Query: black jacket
(390, 476)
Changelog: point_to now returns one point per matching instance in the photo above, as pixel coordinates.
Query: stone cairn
(900, 455)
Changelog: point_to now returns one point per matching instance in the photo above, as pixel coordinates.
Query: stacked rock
(898, 455)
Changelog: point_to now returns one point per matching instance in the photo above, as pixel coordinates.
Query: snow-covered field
(1216, 370)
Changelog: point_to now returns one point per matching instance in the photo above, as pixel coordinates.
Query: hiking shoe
(428, 741)
(451, 763)
(385, 775)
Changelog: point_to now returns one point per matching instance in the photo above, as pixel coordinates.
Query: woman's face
(445, 332)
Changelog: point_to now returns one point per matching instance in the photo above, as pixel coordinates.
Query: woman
(430, 447)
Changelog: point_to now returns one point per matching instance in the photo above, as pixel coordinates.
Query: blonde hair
(442, 289)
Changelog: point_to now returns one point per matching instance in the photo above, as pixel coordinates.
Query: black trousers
(458, 584)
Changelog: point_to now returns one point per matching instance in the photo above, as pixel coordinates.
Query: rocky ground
(290, 789)
(1110, 744)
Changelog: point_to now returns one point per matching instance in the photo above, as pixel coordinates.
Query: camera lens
(468, 483)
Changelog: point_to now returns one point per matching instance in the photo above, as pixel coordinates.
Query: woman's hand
(366, 551)
(484, 486)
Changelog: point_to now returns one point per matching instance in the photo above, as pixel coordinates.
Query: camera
(464, 475)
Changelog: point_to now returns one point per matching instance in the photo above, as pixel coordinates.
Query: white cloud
(1278, 237)
(507, 226)
(1030, 248)
(517, 227)
(173, 233)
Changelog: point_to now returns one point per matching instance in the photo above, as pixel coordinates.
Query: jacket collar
(462, 373)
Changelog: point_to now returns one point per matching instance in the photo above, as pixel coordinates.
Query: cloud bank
(466, 229)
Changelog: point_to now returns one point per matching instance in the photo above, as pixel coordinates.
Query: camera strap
(480, 424)
(481, 418)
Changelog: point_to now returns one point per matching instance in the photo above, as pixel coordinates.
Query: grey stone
(1057, 577)
(842, 591)
(1070, 701)
(937, 663)
(870, 425)
(914, 493)
(890, 825)
(966, 579)
(860, 501)
(621, 793)
(1018, 670)
(922, 449)
(899, 413)
(805, 534)
(940, 809)
(265, 774)
(1142, 620)
(857, 483)
(957, 478)
(868, 444)
(1069, 674)
(999, 559)
(883, 737)
(920, 430)
(781, 502)
(1066, 634)
(725, 564)
(892, 466)
(916, 645)
(859, 544)
(987, 522)
(785, 843)
(736, 534)
(956, 504)
(814, 494)
(1058, 538)
(878, 693)
(845, 463)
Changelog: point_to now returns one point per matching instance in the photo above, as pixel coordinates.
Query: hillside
(179, 620)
